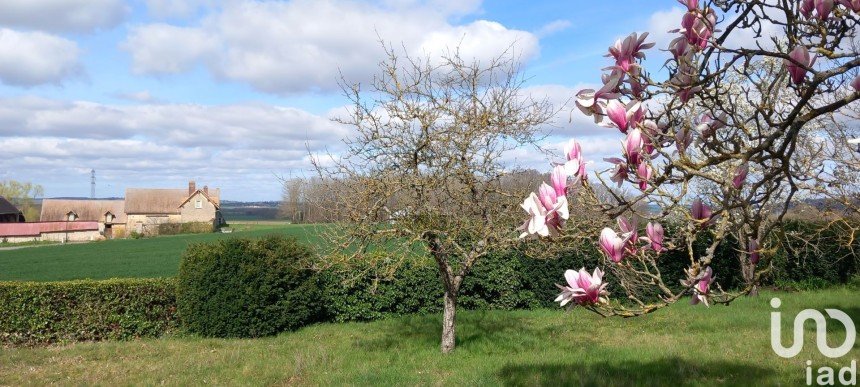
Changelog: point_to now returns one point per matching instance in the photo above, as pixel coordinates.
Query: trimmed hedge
(247, 288)
(34, 313)
(185, 228)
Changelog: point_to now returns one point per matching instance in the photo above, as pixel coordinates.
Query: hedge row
(258, 283)
(55, 312)
(185, 228)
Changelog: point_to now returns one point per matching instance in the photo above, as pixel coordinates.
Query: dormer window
(108, 217)
(198, 204)
(71, 216)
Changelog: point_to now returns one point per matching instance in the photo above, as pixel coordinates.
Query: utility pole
(92, 184)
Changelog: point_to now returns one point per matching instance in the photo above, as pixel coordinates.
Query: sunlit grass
(682, 345)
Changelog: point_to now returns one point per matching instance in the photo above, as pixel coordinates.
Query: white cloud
(552, 28)
(167, 49)
(33, 58)
(136, 96)
(62, 15)
(164, 9)
(160, 144)
(303, 45)
(226, 126)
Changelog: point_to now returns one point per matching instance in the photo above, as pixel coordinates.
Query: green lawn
(682, 345)
(141, 258)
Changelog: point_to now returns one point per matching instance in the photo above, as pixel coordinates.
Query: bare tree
(423, 173)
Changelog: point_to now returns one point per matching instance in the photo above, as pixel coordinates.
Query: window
(198, 204)
(108, 217)
(72, 216)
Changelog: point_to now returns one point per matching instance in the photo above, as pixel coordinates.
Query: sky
(238, 94)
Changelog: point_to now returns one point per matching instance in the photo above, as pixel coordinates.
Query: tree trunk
(448, 334)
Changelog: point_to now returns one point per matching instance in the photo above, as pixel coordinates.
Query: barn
(9, 213)
(109, 214)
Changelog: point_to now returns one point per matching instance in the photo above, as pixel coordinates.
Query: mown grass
(681, 345)
(124, 258)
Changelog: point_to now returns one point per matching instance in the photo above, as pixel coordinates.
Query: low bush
(196, 228)
(247, 288)
(185, 228)
(169, 228)
(57, 312)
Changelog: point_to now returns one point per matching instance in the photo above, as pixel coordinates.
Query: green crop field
(141, 258)
(682, 345)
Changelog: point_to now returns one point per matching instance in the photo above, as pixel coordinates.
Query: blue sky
(152, 93)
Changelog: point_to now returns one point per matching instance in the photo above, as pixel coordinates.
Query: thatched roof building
(58, 210)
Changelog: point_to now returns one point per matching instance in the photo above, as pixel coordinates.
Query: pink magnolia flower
(586, 99)
(628, 51)
(547, 196)
(853, 5)
(702, 289)
(558, 178)
(575, 165)
(536, 223)
(690, 4)
(582, 288)
(822, 8)
(654, 232)
(633, 146)
(685, 78)
(643, 173)
(856, 83)
(619, 175)
(683, 139)
(798, 71)
(623, 116)
(700, 212)
(629, 229)
(752, 250)
(543, 221)
(679, 47)
(612, 244)
(572, 150)
(709, 125)
(740, 176)
(698, 26)
(650, 132)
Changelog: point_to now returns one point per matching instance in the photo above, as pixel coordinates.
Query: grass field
(140, 258)
(682, 345)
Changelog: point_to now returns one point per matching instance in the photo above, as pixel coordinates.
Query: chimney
(206, 190)
(192, 187)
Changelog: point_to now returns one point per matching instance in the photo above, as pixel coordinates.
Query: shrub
(247, 288)
(169, 228)
(196, 228)
(58, 312)
(355, 293)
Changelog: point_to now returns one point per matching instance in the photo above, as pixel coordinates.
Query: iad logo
(847, 375)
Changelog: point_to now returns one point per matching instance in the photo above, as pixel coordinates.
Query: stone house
(147, 208)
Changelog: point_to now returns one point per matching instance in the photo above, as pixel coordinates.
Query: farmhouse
(9, 213)
(147, 208)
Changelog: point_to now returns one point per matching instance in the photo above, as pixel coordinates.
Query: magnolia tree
(743, 120)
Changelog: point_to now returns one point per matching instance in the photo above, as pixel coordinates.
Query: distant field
(142, 258)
